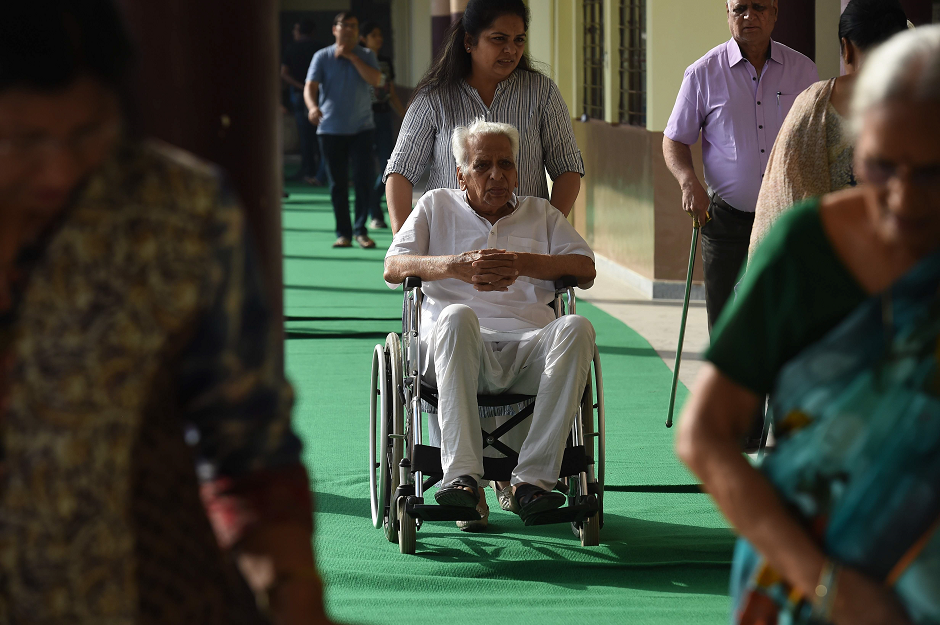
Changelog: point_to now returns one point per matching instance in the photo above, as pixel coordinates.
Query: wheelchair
(402, 467)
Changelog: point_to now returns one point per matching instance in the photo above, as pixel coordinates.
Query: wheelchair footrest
(572, 513)
(435, 512)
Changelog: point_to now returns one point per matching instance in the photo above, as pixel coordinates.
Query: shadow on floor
(634, 553)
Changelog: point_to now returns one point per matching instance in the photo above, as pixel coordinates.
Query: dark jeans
(310, 162)
(384, 144)
(724, 251)
(337, 150)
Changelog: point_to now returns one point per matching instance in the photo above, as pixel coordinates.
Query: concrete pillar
(207, 81)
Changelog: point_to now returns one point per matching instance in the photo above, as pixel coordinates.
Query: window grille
(633, 62)
(594, 58)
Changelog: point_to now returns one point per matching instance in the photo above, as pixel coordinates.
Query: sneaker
(479, 525)
(313, 181)
(343, 242)
(377, 224)
(364, 241)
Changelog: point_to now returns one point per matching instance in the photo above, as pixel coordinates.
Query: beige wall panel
(564, 57)
(614, 211)
(673, 225)
(419, 40)
(678, 32)
(828, 60)
(540, 42)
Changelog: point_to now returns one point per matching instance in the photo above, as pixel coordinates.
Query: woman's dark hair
(47, 45)
(867, 23)
(366, 28)
(452, 63)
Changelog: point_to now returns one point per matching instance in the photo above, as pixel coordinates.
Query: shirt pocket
(524, 244)
(786, 103)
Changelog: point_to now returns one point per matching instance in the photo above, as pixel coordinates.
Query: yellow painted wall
(541, 35)
(827, 38)
(677, 33)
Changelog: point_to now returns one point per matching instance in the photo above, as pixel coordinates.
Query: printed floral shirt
(139, 323)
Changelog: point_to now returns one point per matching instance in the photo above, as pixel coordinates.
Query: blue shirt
(345, 97)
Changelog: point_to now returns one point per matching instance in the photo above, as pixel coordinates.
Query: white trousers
(553, 365)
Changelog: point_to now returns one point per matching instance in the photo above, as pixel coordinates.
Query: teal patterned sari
(858, 456)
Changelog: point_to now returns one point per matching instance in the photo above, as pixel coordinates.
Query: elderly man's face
(491, 177)
(897, 158)
(752, 22)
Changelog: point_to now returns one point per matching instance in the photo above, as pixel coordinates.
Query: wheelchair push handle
(412, 282)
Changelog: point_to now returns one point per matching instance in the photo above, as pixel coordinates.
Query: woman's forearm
(712, 423)
(565, 191)
(398, 191)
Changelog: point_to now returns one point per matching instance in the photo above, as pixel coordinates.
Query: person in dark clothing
(385, 102)
(294, 65)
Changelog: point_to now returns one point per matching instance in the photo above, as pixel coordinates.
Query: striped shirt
(528, 100)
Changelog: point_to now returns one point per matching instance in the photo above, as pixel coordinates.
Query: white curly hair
(479, 128)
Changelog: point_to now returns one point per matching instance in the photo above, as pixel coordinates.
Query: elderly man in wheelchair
(487, 260)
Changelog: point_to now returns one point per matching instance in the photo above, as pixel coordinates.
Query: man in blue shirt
(339, 100)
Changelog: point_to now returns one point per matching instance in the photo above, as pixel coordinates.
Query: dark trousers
(725, 240)
(338, 150)
(310, 162)
(384, 144)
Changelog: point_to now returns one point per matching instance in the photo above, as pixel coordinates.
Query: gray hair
(480, 128)
(907, 67)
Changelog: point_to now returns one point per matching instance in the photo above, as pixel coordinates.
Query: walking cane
(685, 312)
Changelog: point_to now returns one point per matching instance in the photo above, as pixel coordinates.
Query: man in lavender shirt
(737, 96)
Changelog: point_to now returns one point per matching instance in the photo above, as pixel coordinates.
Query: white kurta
(476, 342)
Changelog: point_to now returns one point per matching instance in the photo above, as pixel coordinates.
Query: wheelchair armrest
(565, 282)
(412, 282)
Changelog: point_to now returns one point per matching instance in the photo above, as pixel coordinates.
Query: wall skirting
(653, 289)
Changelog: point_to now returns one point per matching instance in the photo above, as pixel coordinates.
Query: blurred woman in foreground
(839, 316)
(131, 310)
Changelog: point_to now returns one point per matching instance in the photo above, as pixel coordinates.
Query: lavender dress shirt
(738, 114)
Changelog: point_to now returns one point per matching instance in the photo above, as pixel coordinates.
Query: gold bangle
(825, 594)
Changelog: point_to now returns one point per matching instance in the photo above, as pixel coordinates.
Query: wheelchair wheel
(396, 425)
(407, 529)
(385, 419)
(601, 458)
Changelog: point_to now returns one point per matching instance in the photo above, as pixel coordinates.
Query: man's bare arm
(312, 100)
(290, 80)
(497, 266)
(552, 267)
(679, 161)
(368, 73)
